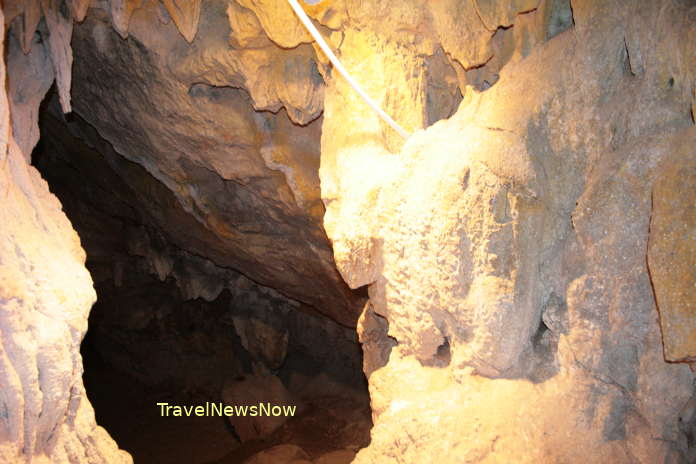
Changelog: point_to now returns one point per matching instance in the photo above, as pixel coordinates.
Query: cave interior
(476, 244)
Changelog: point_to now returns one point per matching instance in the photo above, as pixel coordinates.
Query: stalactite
(79, 9)
(60, 26)
(26, 94)
(121, 11)
(186, 14)
(32, 16)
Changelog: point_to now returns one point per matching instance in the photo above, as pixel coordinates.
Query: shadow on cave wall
(173, 327)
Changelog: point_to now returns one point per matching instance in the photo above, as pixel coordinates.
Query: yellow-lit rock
(278, 21)
(512, 317)
(246, 181)
(672, 251)
(45, 297)
(505, 250)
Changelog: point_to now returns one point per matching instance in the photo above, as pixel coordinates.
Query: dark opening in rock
(172, 328)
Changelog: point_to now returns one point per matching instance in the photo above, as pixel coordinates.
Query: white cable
(337, 64)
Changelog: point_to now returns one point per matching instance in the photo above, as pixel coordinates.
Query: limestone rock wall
(45, 296)
(223, 104)
(506, 249)
(514, 253)
(672, 250)
(246, 180)
(169, 319)
(232, 131)
(253, 79)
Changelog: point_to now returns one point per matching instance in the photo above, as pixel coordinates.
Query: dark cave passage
(170, 326)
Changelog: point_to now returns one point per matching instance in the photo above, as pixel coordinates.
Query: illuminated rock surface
(506, 247)
(672, 250)
(45, 297)
(520, 256)
(246, 181)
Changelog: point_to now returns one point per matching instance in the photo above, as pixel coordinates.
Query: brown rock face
(247, 180)
(168, 319)
(672, 251)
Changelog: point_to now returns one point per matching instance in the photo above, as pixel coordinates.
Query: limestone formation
(30, 20)
(484, 225)
(60, 28)
(185, 14)
(45, 296)
(26, 94)
(246, 181)
(168, 318)
(528, 252)
(121, 12)
(672, 250)
(79, 9)
(278, 21)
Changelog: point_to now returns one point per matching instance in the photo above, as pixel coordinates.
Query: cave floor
(127, 410)
(329, 424)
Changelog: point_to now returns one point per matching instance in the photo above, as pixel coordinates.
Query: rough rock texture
(246, 181)
(60, 25)
(505, 248)
(170, 319)
(45, 296)
(154, 91)
(255, 55)
(417, 69)
(672, 250)
(26, 94)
